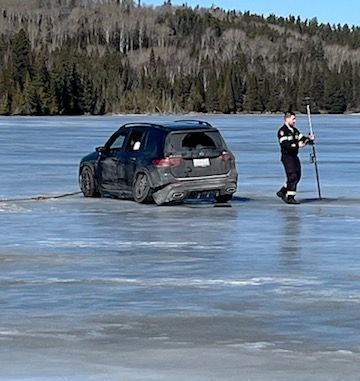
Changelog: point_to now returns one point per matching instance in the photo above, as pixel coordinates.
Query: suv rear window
(197, 140)
(186, 142)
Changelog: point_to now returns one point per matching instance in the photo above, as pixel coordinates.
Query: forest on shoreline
(74, 57)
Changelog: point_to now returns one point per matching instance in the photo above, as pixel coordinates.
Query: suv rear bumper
(181, 188)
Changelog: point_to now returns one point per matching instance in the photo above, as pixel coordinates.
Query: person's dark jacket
(289, 139)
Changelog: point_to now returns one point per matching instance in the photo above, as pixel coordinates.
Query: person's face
(291, 120)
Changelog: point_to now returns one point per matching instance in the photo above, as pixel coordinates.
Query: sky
(332, 11)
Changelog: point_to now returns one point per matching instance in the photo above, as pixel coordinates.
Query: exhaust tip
(230, 190)
(178, 195)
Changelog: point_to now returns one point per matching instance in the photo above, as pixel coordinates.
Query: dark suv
(165, 163)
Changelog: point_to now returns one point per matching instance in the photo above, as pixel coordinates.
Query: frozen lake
(101, 289)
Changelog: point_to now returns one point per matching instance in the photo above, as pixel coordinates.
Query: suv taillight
(173, 161)
(225, 156)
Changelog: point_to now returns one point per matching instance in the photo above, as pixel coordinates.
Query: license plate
(201, 162)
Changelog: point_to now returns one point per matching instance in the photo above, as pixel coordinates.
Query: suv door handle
(133, 158)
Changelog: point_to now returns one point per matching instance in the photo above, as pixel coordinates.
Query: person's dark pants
(293, 173)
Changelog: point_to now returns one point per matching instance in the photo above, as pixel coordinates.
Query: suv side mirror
(100, 149)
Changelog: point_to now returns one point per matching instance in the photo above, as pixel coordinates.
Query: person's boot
(282, 193)
(291, 200)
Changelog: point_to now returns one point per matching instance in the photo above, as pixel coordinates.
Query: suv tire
(87, 182)
(142, 192)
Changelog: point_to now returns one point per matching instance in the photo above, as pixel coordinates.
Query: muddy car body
(165, 163)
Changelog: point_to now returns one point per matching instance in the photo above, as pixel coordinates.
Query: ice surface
(101, 289)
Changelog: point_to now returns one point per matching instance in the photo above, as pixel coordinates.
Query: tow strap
(39, 198)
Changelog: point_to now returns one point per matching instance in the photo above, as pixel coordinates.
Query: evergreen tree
(45, 89)
(88, 100)
(317, 80)
(21, 52)
(32, 102)
(18, 101)
(227, 100)
(4, 104)
(335, 102)
(290, 100)
(181, 92)
(304, 91)
(69, 90)
(196, 101)
(252, 97)
(356, 88)
(238, 88)
(346, 79)
(212, 92)
(265, 92)
(5, 90)
(274, 101)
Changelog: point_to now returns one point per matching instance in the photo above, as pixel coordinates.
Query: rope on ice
(39, 198)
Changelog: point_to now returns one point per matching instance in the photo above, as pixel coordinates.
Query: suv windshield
(189, 143)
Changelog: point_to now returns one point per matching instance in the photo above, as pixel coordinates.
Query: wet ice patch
(120, 244)
(252, 346)
(6, 207)
(63, 378)
(309, 294)
(161, 282)
(6, 333)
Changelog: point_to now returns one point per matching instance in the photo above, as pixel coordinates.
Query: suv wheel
(87, 182)
(141, 189)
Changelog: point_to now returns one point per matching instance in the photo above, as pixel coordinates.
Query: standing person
(291, 139)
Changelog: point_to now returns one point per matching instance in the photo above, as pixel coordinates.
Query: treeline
(110, 56)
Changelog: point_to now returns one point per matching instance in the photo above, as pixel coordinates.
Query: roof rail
(193, 121)
(141, 124)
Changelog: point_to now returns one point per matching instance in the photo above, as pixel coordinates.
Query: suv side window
(117, 142)
(136, 141)
(155, 141)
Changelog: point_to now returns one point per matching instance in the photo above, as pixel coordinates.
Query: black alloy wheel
(87, 182)
(142, 190)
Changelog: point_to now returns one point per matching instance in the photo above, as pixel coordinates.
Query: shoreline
(196, 114)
